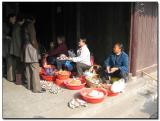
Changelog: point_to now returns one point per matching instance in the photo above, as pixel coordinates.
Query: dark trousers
(119, 74)
(51, 60)
(81, 68)
(13, 67)
(59, 63)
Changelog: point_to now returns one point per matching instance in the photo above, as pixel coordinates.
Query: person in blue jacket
(116, 65)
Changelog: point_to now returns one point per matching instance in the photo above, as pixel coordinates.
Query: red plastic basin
(62, 77)
(48, 78)
(84, 95)
(60, 82)
(71, 87)
(110, 93)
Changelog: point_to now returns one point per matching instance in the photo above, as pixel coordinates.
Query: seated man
(116, 64)
(83, 57)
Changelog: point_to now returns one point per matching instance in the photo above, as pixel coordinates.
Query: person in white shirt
(83, 57)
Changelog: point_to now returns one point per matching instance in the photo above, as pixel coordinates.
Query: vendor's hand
(69, 58)
(107, 70)
(113, 69)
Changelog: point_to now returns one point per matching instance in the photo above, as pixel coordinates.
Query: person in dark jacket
(60, 49)
(57, 51)
(8, 38)
(116, 65)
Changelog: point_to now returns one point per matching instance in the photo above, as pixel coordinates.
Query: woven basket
(91, 84)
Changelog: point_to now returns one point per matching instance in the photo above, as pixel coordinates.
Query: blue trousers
(60, 63)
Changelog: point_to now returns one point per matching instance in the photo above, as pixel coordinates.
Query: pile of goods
(50, 86)
(48, 73)
(62, 57)
(92, 78)
(61, 77)
(93, 95)
(75, 83)
(96, 94)
(93, 81)
(76, 103)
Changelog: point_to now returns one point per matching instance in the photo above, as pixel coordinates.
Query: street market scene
(80, 60)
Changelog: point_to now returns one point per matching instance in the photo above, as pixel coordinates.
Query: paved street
(138, 101)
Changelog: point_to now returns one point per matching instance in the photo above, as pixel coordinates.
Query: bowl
(110, 93)
(75, 87)
(48, 78)
(63, 75)
(60, 82)
(108, 89)
(84, 94)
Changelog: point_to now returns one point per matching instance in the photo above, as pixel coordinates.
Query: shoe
(42, 91)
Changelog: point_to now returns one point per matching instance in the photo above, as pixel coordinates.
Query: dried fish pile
(76, 103)
(51, 87)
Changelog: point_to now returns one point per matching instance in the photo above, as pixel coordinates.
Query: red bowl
(48, 78)
(110, 93)
(60, 82)
(84, 95)
(71, 87)
(62, 77)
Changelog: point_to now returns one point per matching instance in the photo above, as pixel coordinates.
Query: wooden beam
(78, 21)
(149, 75)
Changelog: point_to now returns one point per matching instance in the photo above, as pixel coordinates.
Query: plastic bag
(118, 86)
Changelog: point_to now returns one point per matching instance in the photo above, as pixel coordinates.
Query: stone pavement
(138, 101)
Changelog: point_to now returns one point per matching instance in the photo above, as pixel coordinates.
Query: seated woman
(116, 65)
(55, 52)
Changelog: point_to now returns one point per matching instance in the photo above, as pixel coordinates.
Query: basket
(91, 84)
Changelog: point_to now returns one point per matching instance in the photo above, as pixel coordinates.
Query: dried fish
(76, 103)
(50, 86)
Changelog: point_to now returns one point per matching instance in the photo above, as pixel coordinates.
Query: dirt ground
(138, 101)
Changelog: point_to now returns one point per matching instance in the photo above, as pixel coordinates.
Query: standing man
(116, 64)
(16, 44)
(7, 39)
(83, 57)
(32, 68)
